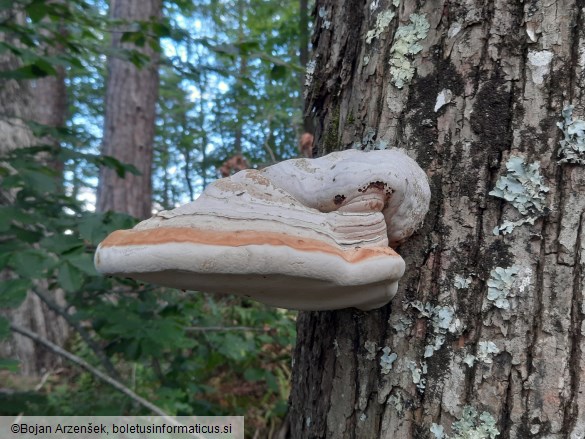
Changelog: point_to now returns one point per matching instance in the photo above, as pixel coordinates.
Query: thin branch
(97, 350)
(187, 156)
(95, 372)
(41, 383)
(98, 374)
(277, 61)
(267, 140)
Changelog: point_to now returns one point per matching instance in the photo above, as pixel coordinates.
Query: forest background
(227, 79)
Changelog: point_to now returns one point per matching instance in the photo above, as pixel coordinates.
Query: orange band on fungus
(169, 235)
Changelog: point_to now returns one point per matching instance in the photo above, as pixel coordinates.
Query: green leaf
(31, 263)
(118, 166)
(94, 227)
(277, 72)
(271, 381)
(10, 181)
(131, 37)
(13, 292)
(91, 228)
(41, 180)
(162, 30)
(117, 221)
(248, 46)
(4, 327)
(62, 244)
(39, 69)
(4, 258)
(140, 41)
(30, 236)
(11, 245)
(84, 263)
(6, 213)
(235, 347)
(9, 364)
(6, 4)
(254, 374)
(13, 213)
(134, 349)
(37, 10)
(70, 277)
(138, 59)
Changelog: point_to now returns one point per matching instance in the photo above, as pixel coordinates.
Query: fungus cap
(308, 234)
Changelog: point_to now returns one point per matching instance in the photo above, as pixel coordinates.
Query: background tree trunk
(14, 99)
(44, 103)
(511, 68)
(50, 97)
(130, 113)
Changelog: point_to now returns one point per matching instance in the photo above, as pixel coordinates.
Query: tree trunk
(20, 103)
(50, 97)
(510, 68)
(14, 98)
(130, 114)
(304, 54)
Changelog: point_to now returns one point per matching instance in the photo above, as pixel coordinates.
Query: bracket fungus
(309, 234)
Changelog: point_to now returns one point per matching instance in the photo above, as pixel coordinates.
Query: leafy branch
(97, 350)
(95, 372)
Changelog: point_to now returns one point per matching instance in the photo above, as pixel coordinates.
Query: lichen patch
(523, 186)
(382, 22)
(573, 143)
(406, 44)
(471, 425)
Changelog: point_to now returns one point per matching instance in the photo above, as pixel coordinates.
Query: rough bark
(504, 104)
(304, 34)
(131, 96)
